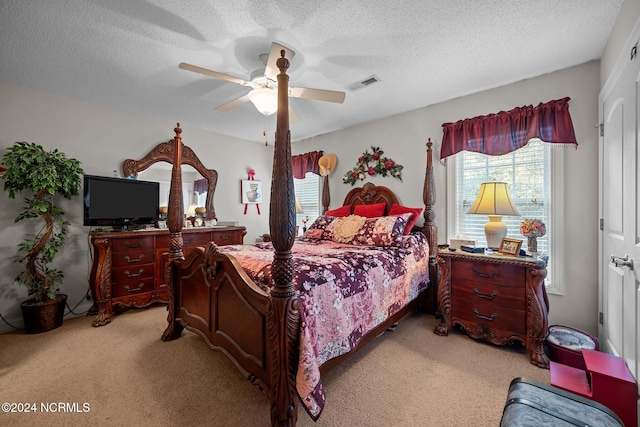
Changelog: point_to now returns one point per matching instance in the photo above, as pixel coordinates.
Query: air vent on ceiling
(363, 83)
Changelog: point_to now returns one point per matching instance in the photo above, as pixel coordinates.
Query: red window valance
(200, 186)
(506, 131)
(307, 162)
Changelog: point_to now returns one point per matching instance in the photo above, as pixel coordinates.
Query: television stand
(129, 266)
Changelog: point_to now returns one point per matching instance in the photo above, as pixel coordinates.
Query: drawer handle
(492, 296)
(493, 273)
(494, 316)
(187, 242)
(129, 260)
(131, 245)
(134, 289)
(139, 273)
(224, 237)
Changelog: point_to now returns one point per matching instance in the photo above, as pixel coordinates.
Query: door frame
(614, 76)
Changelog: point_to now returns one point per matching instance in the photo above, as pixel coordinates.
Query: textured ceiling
(125, 54)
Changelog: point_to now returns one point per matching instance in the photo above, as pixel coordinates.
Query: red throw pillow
(399, 210)
(339, 212)
(370, 211)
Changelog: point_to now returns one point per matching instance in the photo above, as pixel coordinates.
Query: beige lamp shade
(327, 164)
(494, 200)
(298, 207)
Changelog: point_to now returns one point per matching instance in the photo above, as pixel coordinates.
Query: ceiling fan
(264, 84)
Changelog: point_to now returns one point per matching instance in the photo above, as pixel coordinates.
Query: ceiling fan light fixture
(265, 100)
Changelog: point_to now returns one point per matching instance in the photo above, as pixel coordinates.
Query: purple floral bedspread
(344, 292)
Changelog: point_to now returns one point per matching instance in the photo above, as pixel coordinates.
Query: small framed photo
(510, 246)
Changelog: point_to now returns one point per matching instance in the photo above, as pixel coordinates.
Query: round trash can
(566, 343)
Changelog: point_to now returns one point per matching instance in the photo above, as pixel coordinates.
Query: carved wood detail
(520, 319)
(166, 152)
(283, 319)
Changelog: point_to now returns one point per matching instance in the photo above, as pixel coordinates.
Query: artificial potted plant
(44, 176)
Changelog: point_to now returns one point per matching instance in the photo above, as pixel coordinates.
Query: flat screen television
(120, 203)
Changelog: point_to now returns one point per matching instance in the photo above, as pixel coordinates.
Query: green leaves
(373, 163)
(45, 175)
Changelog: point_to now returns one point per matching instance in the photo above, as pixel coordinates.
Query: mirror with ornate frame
(163, 152)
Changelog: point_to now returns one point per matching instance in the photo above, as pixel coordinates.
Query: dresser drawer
(486, 313)
(132, 258)
(480, 292)
(196, 239)
(132, 273)
(505, 275)
(132, 287)
(227, 238)
(132, 244)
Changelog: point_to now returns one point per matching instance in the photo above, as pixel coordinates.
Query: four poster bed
(277, 309)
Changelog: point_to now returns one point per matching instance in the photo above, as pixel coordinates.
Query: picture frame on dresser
(510, 246)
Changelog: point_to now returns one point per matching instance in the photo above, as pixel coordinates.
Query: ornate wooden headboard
(370, 194)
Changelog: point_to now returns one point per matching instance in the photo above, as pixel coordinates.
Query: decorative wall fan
(263, 82)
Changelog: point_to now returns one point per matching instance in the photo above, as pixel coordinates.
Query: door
(620, 209)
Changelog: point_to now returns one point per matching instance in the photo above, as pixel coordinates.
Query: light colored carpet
(128, 376)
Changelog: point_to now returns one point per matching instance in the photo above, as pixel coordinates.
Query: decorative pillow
(382, 231)
(397, 209)
(339, 212)
(370, 211)
(343, 230)
(317, 229)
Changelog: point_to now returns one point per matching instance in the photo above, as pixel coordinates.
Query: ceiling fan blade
(233, 104)
(319, 94)
(271, 71)
(211, 73)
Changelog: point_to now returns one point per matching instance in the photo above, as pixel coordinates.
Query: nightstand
(496, 298)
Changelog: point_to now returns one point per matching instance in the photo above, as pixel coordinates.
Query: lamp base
(495, 230)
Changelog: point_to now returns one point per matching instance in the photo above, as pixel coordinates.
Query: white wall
(403, 138)
(629, 14)
(102, 138)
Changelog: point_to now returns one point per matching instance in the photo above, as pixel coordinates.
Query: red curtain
(200, 186)
(307, 162)
(506, 131)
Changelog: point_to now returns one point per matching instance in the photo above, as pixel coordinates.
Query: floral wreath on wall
(372, 163)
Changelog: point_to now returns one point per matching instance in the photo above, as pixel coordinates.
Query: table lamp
(494, 200)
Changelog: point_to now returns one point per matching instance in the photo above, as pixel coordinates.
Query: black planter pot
(43, 317)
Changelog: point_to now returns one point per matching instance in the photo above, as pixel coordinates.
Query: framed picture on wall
(250, 191)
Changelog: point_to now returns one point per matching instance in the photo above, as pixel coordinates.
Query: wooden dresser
(128, 266)
(496, 298)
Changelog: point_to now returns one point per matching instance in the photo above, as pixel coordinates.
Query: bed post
(326, 196)
(175, 222)
(429, 228)
(283, 316)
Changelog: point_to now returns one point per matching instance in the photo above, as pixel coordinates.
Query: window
(528, 172)
(307, 192)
